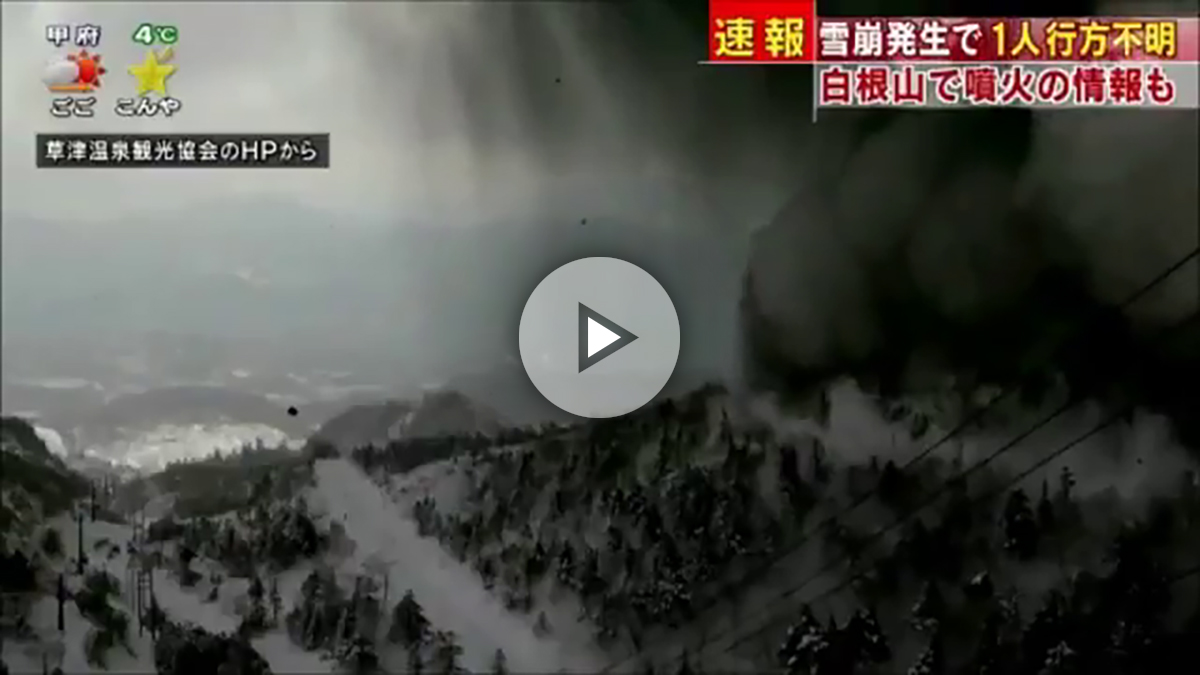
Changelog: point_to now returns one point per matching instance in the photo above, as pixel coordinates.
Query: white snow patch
(452, 596)
(154, 449)
(180, 604)
(53, 440)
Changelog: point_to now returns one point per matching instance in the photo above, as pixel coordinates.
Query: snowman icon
(75, 73)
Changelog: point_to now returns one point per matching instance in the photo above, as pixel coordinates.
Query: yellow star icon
(152, 73)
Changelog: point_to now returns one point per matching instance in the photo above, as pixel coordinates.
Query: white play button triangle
(599, 337)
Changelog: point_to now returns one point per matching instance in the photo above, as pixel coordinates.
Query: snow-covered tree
(541, 626)
(360, 656)
(414, 660)
(1047, 630)
(806, 642)
(446, 653)
(1046, 517)
(930, 609)
(276, 600)
(1020, 526)
(1060, 660)
(409, 625)
(499, 663)
(255, 620)
(866, 639)
(980, 587)
(932, 660)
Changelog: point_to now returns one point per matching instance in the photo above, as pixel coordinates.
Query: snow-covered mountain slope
(452, 596)
(106, 545)
(35, 483)
(704, 526)
(437, 412)
(151, 450)
(698, 526)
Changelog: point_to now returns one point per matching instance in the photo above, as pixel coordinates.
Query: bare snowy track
(452, 596)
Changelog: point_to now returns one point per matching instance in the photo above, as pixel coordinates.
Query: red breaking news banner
(956, 62)
(890, 39)
(762, 31)
(941, 62)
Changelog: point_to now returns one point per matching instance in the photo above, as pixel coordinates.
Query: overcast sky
(437, 118)
(377, 76)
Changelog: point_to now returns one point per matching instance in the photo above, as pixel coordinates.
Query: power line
(850, 579)
(1182, 574)
(947, 485)
(766, 566)
(964, 425)
(1107, 422)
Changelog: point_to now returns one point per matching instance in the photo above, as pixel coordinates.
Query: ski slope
(180, 604)
(451, 594)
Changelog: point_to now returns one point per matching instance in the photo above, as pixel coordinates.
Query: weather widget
(76, 72)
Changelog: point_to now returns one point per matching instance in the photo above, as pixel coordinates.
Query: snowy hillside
(107, 546)
(437, 412)
(451, 594)
(711, 532)
(706, 525)
(35, 483)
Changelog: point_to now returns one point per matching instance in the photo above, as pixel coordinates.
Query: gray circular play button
(599, 337)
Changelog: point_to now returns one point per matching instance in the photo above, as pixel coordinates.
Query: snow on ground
(53, 440)
(67, 649)
(451, 594)
(180, 604)
(151, 450)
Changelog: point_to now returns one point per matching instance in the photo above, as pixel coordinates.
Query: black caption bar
(186, 151)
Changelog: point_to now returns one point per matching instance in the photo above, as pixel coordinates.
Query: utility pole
(94, 503)
(79, 558)
(62, 599)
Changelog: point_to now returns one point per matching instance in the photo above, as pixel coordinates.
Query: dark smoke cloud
(900, 245)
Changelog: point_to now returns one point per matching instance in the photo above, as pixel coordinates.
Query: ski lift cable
(1080, 330)
(930, 499)
(1107, 422)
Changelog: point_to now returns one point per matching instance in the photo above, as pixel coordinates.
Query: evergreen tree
(409, 625)
(805, 644)
(256, 618)
(980, 588)
(276, 600)
(866, 639)
(52, 544)
(256, 590)
(931, 661)
(1066, 485)
(892, 488)
(1020, 526)
(1045, 510)
(1060, 660)
(499, 663)
(1044, 633)
(930, 610)
(1136, 599)
(822, 472)
(446, 652)
(991, 654)
(541, 627)
(360, 656)
(416, 665)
